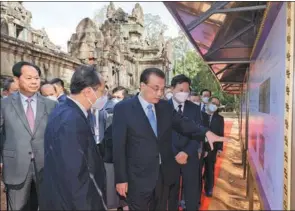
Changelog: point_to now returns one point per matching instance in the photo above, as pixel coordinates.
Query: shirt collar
(143, 102)
(176, 104)
(80, 106)
(24, 98)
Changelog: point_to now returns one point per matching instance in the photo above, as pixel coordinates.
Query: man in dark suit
(23, 120)
(74, 174)
(60, 89)
(216, 124)
(142, 148)
(185, 150)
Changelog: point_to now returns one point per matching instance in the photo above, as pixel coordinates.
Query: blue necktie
(203, 109)
(152, 118)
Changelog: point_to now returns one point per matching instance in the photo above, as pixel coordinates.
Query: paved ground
(230, 189)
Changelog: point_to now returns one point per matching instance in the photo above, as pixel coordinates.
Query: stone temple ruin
(117, 47)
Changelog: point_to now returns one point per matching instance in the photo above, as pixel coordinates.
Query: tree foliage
(153, 26)
(193, 66)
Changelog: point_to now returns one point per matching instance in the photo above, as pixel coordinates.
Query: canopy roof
(224, 34)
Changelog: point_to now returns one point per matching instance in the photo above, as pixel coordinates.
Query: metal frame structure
(224, 35)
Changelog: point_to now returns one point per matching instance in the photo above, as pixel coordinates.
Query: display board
(266, 114)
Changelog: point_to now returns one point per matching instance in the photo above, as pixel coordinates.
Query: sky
(61, 18)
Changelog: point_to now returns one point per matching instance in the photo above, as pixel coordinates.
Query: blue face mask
(212, 108)
(116, 100)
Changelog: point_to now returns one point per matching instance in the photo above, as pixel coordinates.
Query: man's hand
(181, 158)
(212, 137)
(205, 154)
(122, 188)
(219, 152)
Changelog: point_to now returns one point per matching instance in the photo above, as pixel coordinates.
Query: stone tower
(118, 47)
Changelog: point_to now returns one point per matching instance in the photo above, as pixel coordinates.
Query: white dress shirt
(144, 105)
(96, 126)
(33, 103)
(176, 104)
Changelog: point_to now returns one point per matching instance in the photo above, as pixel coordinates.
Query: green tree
(153, 26)
(193, 66)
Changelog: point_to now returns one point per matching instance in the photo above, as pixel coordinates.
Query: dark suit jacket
(217, 126)
(136, 148)
(184, 143)
(74, 174)
(62, 98)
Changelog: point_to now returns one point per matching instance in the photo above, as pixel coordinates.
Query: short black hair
(179, 79)
(58, 81)
(211, 98)
(84, 76)
(205, 90)
(120, 88)
(7, 84)
(17, 68)
(145, 75)
(194, 94)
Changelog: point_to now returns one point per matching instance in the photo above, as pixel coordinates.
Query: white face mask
(212, 108)
(100, 102)
(197, 103)
(52, 98)
(116, 100)
(181, 97)
(168, 95)
(205, 99)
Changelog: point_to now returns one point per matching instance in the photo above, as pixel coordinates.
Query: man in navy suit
(216, 124)
(185, 150)
(74, 174)
(60, 89)
(142, 149)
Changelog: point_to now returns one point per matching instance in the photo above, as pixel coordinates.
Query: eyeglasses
(156, 89)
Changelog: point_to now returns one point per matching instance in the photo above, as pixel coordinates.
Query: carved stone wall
(119, 48)
(51, 63)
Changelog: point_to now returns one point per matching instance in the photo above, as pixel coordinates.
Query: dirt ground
(230, 189)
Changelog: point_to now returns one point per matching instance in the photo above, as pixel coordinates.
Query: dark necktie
(179, 109)
(203, 108)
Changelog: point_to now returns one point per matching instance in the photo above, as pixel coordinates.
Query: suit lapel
(186, 111)
(39, 112)
(160, 119)
(18, 106)
(141, 116)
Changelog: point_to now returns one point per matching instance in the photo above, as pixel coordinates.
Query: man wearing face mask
(113, 201)
(205, 96)
(142, 143)
(185, 149)
(97, 117)
(216, 125)
(195, 98)
(118, 94)
(49, 91)
(74, 173)
(168, 93)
